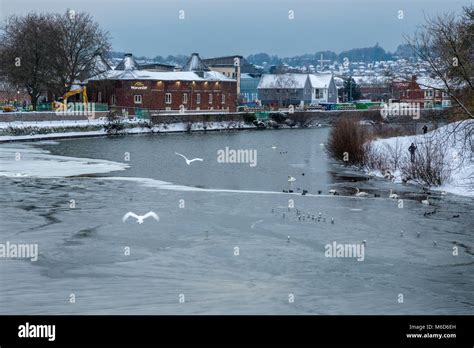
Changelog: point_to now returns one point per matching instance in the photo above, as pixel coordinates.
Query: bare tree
(80, 43)
(24, 55)
(443, 46)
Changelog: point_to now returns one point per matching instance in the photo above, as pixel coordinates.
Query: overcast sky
(224, 27)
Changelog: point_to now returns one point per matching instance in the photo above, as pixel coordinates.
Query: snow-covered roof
(370, 80)
(294, 80)
(429, 83)
(195, 63)
(127, 63)
(283, 81)
(162, 75)
(320, 80)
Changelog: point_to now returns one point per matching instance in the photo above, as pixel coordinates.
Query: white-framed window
(223, 98)
(210, 98)
(113, 99)
(137, 98)
(168, 98)
(185, 98)
(198, 98)
(99, 97)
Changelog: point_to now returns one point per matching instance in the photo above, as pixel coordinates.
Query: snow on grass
(457, 153)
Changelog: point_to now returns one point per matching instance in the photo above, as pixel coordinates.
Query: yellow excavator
(62, 106)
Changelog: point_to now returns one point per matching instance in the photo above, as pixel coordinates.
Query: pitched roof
(162, 76)
(195, 63)
(294, 80)
(127, 63)
(320, 80)
(282, 81)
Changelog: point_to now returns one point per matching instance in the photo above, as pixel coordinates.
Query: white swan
(333, 192)
(361, 193)
(188, 162)
(392, 195)
(140, 218)
(425, 201)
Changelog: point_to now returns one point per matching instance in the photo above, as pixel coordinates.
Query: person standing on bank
(412, 150)
(425, 129)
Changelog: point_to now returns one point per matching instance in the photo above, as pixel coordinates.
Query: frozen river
(221, 244)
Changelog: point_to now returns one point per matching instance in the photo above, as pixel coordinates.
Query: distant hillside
(366, 54)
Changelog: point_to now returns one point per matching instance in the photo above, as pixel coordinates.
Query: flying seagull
(140, 218)
(188, 162)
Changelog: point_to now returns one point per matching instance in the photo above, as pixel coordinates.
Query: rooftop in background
(195, 63)
(294, 80)
(162, 75)
(127, 63)
(228, 61)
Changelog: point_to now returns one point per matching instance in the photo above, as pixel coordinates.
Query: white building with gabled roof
(297, 88)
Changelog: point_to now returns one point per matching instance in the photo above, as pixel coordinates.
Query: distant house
(157, 67)
(249, 87)
(427, 92)
(128, 62)
(434, 93)
(296, 89)
(232, 67)
(323, 88)
(375, 88)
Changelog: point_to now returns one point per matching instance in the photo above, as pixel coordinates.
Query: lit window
(137, 98)
(168, 98)
(210, 98)
(223, 98)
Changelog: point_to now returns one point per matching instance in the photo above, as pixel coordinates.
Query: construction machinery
(62, 106)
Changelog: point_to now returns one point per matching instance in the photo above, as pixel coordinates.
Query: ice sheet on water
(21, 160)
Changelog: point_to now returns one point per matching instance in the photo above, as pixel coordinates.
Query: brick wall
(153, 94)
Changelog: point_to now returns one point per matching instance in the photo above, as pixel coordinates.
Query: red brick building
(194, 89)
(426, 92)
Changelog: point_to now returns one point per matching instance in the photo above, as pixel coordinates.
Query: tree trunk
(34, 100)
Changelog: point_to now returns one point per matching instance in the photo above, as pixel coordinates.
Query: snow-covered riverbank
(456, 150)
(88, 128)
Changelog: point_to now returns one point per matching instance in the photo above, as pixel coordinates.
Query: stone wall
(44, 116)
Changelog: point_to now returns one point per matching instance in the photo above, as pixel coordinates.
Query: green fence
(142, 113)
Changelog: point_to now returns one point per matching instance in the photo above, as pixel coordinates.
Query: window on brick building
(185, 98)
(99, 97)
(198, 98)
(168, 98)
(113, 99)
(137, 98)
(210, 98)
(223, 98)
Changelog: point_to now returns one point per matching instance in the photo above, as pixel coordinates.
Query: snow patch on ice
(21, 160)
